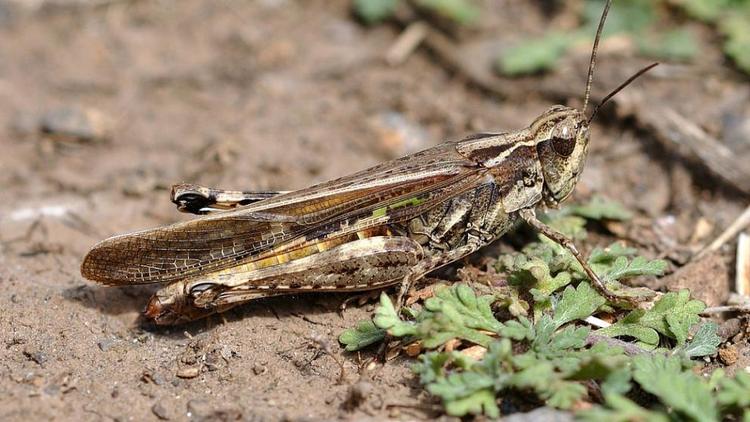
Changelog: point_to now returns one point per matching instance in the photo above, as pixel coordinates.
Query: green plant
(551, 353)
(635, 19)
(462, 12)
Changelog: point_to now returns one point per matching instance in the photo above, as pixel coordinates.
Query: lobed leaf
(456, 312)
(705, 342)
(671, 316)
(735, 392)
(363, 335)
(577, 303)
(618, 408)
(535, 55)
(386, 318)
(681, 390)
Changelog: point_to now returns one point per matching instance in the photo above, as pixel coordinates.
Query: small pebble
(36, 355)
(160, 411)
(398, 135)
(106, 344)
(202, 410)
(72, 123)
(413, 349)
(259, 369)
(189, 372)
(729, 354)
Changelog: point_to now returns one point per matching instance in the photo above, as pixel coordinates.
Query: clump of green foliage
(731, 18)
(636, 19)
(462, 12)
(640, 367)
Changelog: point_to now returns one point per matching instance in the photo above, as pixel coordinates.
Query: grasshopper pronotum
(386, 225)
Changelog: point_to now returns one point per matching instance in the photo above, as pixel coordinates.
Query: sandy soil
(270, 94)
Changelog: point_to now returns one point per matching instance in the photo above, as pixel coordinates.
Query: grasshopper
(387, 225)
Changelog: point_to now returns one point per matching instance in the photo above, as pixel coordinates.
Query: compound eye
(563, 146)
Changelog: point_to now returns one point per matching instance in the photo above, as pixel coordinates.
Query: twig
(406, 43)
(742, 279)
(671, 129)
(422, 407)
(679, 134)
(726, 309)
(597, 322)
(322, 344)
(737, 226)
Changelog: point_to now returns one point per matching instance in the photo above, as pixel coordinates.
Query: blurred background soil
(106, 104)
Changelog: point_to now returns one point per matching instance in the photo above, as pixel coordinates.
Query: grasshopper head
(562, 133)
(563, 139)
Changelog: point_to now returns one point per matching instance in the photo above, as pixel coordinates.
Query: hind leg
(197, 199)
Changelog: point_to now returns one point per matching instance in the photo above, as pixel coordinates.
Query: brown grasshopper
(387, 225)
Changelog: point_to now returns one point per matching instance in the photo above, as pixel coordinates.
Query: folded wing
(226, 239)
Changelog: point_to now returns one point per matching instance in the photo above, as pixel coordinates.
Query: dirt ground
(271, 94)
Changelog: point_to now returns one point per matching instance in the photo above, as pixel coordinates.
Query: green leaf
(603, 363)
(520, 329)
(705, 342)
(456, 312)
(365, 334)
(671, 317)
(735, 392)
(544, 329)
(547, 267)
(534, 376)
(618, 408)
(630, 326)
(374, 11)
(572, 226)
(431, 365)
(705, 10)
(535, 55)
(737, 45)
(546, 284)
(571, 337)
(617, 382)
(732, 18)
(565, 394)
(386, 318)
(603, 259)
(467, 392)
(625, 16)
(459, 11)
(681, 390)
(474, 311)
(479, 402)
(621, 268)
(577, 303)
(599, 208)
(678, 44)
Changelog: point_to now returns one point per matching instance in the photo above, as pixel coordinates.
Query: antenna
(592, 62)
(620, 88)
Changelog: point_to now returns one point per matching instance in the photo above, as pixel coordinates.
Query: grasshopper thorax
(562, 139)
